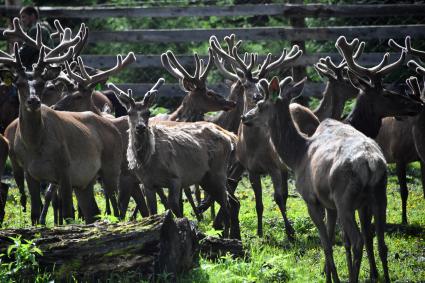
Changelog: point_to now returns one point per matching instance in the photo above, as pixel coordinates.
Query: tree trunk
(156, 245)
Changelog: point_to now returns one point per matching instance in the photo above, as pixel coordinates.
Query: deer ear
(51, 73)
(296, 90)
(274, 89)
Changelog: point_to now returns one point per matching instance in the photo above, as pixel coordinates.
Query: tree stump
(155, 245)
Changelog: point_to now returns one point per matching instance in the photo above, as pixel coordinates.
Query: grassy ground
(274, 259)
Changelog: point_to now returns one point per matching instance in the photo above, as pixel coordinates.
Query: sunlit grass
(272, 258)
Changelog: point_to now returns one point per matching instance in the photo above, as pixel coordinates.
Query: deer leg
(331, 218)
(189, 197)
(235, 232)
(18, 174)
(151, 200)
(124, 191)
(87, 203)
(36, 204)
(365, 222)
(110, 183)
(50, 191)
(174, 193)
(255, 180)
(280, 185)
(379, 210)
(217, 190)
(423, 176)
(401, 175)
(316, 213)
(198, 194)
(57, 210)
(139, 198)
(4, 190)
(162, 197)
(235, 175)
(352, 235)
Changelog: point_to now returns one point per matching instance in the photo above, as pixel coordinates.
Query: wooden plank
(284, 10)
(173, 90)
(257, 33)
(260, 33)
(144, 61)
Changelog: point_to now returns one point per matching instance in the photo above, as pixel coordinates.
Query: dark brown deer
(199, 98)
(338, 170)
(397, 140)
(177, 155)
(254, 150)
(64, 148)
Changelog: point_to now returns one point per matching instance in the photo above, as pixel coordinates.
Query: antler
(85, 79)
(415, 66)
(17, 31)
(170, 63)
(129, 94)
(413, 84)
(285, 58)
(12, 61)
(408, 47)
(383, 68)
(327, 67)
(220, 62)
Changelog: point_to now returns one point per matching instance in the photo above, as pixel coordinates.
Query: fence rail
(284, 10)
(382, 32)
(154, 61)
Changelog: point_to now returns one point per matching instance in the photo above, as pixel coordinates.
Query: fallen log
(155, 245)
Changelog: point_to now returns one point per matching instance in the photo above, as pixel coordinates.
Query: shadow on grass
(408, 230)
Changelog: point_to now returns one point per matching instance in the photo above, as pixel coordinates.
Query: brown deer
(199, 98)
(254, 151)
(82, 100)
(177, 155)
(65, 148)
(397, 140)
(338, 170)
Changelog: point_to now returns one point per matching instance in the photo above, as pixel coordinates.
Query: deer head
(273, 93)
(198, 96)
(138, 112)
(244, 68)
(81, 98)
(373, 97)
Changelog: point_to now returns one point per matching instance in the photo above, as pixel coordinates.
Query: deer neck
(230, 120)
(140, 149)
(324, 110)
(30, 126)
(364, 119)
(187, 112)
(289, 142)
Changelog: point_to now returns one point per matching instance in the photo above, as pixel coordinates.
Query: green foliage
(24, 259)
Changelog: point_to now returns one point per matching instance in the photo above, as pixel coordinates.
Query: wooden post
(300, 71)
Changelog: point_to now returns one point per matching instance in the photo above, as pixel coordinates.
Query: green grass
(273, 259)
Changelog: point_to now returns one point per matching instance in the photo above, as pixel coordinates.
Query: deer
(254, 151)
(397, 139)
(176, 155)
(64, 148)
(83, 100)
(338, 170)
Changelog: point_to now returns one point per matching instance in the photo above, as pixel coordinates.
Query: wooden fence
(382, 32)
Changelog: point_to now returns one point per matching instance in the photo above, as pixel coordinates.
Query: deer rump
(183, 153)
(342, 154)
(77, 143)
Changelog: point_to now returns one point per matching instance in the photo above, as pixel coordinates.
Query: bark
(155, 245)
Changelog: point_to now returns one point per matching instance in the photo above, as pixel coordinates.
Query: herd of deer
(58, 133)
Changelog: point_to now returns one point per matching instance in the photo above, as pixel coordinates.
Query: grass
(273, 259)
